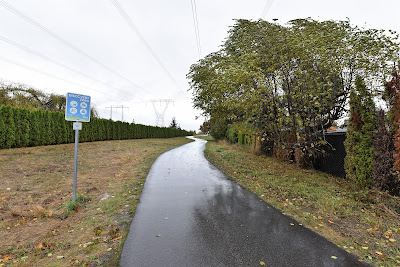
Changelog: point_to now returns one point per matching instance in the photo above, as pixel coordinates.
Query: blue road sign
(77, 108)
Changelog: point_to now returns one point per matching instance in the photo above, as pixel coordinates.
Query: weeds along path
(363, 222)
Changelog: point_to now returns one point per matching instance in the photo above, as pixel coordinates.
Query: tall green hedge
(21, 127)
(360, 134)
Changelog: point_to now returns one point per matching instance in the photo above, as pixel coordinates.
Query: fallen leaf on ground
(333, 257)
(262, 263)
(115, 239)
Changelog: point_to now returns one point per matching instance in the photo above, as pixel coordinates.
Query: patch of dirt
(36, 228)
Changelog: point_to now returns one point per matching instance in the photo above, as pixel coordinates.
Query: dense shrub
(8, 131)
(218, 129)
(360, 133)
(21, 127)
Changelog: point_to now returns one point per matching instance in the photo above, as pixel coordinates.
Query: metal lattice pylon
(160, 113)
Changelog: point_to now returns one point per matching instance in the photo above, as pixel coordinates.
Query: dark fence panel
(333, 162)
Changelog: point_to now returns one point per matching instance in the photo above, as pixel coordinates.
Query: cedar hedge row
(21, 127)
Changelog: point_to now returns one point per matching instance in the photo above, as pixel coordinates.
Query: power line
(62, 40)
(51, 75)
(196, 27)
(267, 7)
(43, 73)
(117, 106)
(55, 62)
(143, 40)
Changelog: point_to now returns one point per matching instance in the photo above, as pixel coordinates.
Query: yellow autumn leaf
(262, 263)
(333, 257)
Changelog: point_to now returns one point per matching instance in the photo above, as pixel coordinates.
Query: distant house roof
(335, 130)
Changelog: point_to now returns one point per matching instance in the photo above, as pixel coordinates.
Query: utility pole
(160, 114)
(117, 106)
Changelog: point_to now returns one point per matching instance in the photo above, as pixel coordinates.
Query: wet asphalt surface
(191, 214)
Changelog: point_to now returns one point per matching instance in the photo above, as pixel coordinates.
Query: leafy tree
(174, 124)
(393, 97)
(360, 133)
(19, 95)
(205, 127)
(291, 82)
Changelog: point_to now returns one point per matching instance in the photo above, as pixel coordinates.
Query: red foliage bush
(393, 87)
(384, 176)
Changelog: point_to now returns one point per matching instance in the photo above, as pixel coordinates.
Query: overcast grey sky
(121, 70)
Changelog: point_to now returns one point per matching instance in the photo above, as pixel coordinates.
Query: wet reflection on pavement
(191, 214)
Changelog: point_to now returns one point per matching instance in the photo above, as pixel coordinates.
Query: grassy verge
(364, 222)
(39, 226)
(205, 137)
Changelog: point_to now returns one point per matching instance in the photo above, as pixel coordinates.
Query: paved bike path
(191, 214)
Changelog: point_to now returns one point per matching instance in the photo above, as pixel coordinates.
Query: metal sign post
(78, 110)
(77, 126)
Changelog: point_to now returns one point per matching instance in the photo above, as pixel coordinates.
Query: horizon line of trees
(285, 85)
(20, 127)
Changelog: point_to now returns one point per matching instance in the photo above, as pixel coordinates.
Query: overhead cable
(57, 63)
(44, 73)
(62, 40)
(196, 27)
(143, 40)
(266, 9)
(54, 76)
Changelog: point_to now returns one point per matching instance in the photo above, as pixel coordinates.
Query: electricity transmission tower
(160, 113)
(115, 107)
